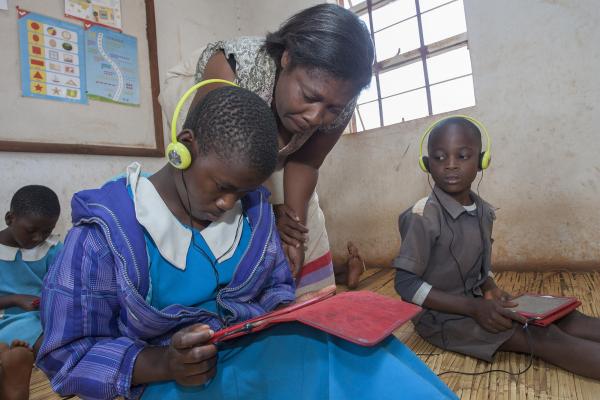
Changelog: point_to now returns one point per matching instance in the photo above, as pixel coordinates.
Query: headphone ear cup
(484, 160)
(424, 164)
(178, 155)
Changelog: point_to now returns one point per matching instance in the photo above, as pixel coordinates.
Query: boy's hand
(190, 360)
(493, 315)
(497, 294)
(292, 232)
(26, 302)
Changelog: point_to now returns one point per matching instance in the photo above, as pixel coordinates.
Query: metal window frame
(422, 53)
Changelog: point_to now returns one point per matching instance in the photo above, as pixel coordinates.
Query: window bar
(380, 104)
(360, 118)
(353, 124)
(423, 51)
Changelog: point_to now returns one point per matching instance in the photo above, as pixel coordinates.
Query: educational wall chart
(112, 66)
(99, 12)
(52, 58)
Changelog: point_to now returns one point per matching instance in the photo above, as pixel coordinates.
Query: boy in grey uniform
(444, 265)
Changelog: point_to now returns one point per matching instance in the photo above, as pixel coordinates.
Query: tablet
(538, 306)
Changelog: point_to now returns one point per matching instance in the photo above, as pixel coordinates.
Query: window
(422, 62)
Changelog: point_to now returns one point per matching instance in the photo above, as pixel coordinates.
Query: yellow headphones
(177, 154)
(484, 158)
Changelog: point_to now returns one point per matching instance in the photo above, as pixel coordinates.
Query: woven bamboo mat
(542, 380)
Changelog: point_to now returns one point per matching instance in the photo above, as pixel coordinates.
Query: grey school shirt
(449, 248)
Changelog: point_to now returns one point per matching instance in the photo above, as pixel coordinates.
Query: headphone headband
(486, 153)
(177, 154)
(185, 97)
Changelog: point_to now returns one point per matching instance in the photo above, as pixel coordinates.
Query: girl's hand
(494, 315)
(191, 361)
(497, 294)
(26, 302)
(292, 232)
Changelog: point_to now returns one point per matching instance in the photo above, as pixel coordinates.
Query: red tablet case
(361, 317)
(550, 316)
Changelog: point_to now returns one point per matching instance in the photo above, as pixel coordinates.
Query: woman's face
(308, 98)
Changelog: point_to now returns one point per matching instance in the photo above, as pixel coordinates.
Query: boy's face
(454, 159)
(215, 185)
(28, 231)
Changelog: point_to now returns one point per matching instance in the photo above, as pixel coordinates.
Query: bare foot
(17, 364)
(356, 266)
(19, 343)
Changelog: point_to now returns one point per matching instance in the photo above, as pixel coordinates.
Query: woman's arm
(300, 179)
(216, 68)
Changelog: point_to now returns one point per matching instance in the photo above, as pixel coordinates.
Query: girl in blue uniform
(26, 251)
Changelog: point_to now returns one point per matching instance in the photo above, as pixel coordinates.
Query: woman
(310, 71)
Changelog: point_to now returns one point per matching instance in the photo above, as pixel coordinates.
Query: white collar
(171, 237)
(470, 208)
(8, 253)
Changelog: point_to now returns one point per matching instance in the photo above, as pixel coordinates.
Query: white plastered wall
(537, 88)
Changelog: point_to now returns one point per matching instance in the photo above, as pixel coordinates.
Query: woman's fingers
(288, 240)
(294, 234)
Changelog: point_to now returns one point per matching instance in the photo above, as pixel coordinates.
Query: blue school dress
(289, 361)
(22, 272)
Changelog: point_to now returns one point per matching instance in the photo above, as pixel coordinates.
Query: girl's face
(308, 98)
(28, 231)
(214, 186)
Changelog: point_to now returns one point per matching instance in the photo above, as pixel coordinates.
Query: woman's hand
(191, 361)
(295, 256)
(494, 315)
(291, 231)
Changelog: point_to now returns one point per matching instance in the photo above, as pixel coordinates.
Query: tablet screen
(531, 304)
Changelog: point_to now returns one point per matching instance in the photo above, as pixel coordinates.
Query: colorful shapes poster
(112, 66)
(52, 58)
(98, 12)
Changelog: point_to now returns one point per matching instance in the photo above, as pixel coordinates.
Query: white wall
(66, 173)
(187, 25)
(537, 88)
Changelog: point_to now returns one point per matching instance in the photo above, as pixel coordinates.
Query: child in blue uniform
(445, 265)
(26, 251)
(154, 266)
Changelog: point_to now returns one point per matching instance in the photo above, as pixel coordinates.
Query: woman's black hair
(326, 37)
